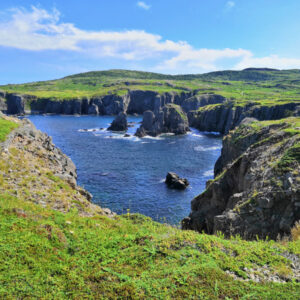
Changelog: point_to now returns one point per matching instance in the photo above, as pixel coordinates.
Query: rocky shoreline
(32, 161)
(256, 190)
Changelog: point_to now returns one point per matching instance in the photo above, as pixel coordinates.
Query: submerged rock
(173, 181)
(119, 123)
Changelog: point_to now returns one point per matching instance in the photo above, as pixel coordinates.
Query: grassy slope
(49, 254)
(6, 126)
(262, 86)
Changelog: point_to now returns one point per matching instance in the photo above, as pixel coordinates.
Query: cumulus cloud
(143, 5)
(39, 30)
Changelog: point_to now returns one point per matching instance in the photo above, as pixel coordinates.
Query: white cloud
(271, 61)
(39, 30)
(143, 5)
(230, 4)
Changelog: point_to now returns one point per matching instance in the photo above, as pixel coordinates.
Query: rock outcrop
(36, 170)
(195, 102)
(173, 181)
(169, 119)
(133, 102)
(119, 123)
(256, 191)
(224, 117)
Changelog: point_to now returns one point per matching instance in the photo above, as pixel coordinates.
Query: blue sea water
(128, 173)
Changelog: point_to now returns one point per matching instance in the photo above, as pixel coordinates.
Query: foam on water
(202, 148)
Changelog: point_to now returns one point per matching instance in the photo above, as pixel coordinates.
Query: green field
(262, 86)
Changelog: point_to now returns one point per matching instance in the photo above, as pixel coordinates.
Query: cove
(127, 173)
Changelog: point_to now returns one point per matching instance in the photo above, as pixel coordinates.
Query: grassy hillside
(46, 254)
(263, 86)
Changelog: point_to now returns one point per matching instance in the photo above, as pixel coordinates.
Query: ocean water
(128, 173)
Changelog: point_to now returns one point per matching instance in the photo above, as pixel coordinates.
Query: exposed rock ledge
(34, 169)
(257, 189)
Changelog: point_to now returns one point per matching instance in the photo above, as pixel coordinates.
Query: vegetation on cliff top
(261, 86)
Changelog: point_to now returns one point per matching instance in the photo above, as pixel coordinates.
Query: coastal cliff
(226, 116)
(33, 168)
(133, 102)
(256, 190)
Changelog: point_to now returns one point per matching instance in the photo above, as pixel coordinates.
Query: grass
(6, 127)
(260, 87)
(48, 254)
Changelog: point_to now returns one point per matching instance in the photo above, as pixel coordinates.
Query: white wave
(121, 137)
(153, 137)
(209, 173)
(192, 133)
(201, 148)
(145, 143)
(89, 130)
(162, 180)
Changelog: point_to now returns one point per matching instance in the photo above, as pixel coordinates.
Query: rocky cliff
(133, 102)
(169, 119)
(256, 191)
(226, 116)
(29, 160)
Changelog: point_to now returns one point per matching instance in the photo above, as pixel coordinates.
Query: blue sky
(47, 39)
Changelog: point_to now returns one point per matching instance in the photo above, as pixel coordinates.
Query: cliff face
(224, 117)
(257, 187)
(136, 101)
(29, 160)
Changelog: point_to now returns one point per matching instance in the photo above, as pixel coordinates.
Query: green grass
(290, 158)
(260, 87)
(48, 254)
(6, 127)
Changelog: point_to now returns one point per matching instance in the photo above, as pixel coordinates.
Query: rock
(119, 123)
(224, 117)
(93, 109)
(173, 181)
(195, 102)
(126, 135)
(169, 119)
(251, 195)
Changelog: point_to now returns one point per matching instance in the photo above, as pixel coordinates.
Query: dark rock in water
(173, 181)
(126, 135)
(169, 119)
(119, 123)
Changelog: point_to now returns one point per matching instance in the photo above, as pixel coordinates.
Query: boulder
(173, 181)
(119, 123)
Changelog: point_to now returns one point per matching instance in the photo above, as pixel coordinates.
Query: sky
(45, 39)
